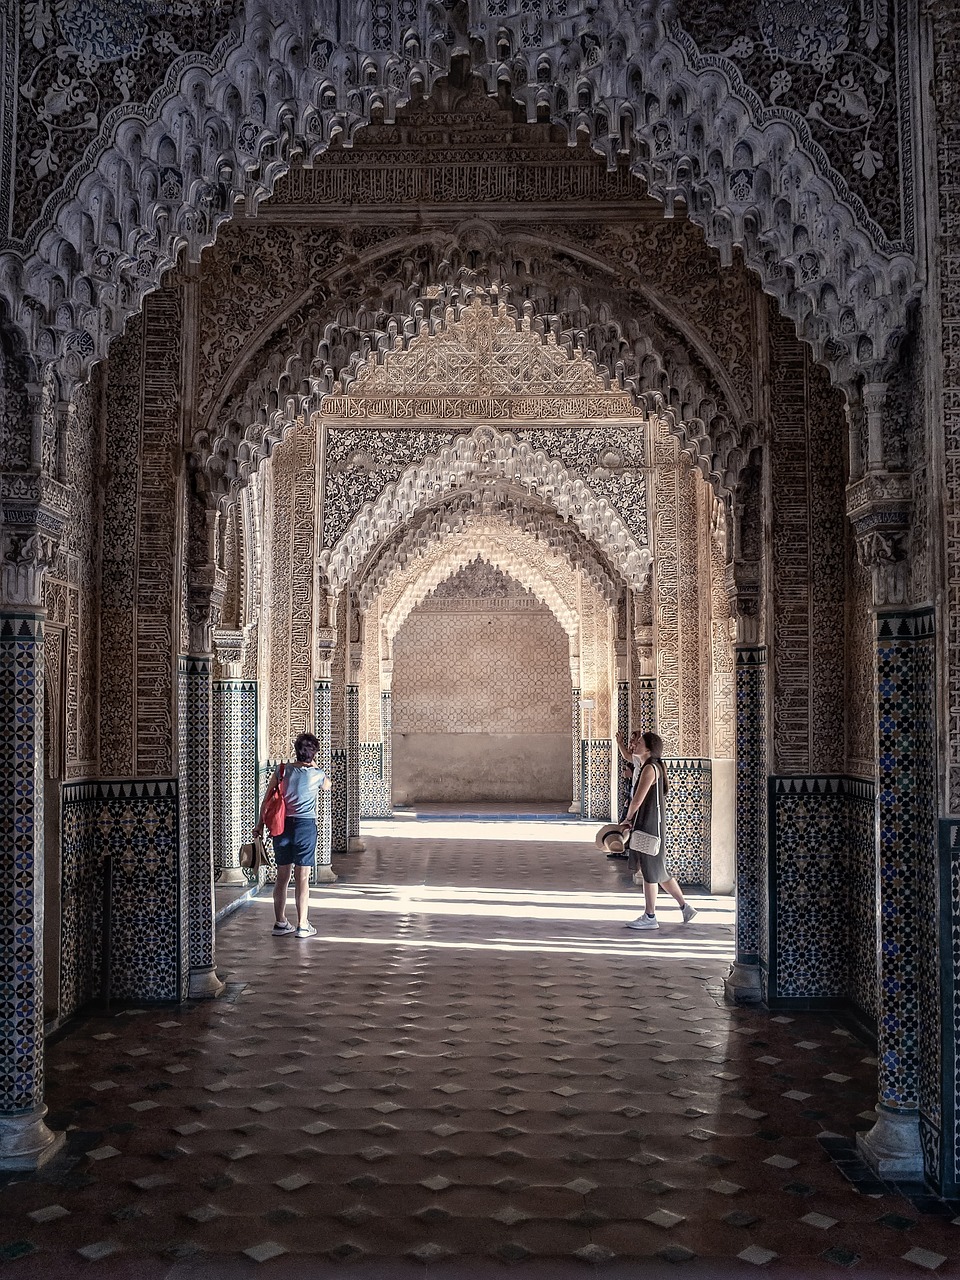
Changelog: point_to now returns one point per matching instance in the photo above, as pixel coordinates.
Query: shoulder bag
(275, 807)
(642, 841)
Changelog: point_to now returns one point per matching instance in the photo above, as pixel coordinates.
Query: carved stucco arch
(435, 525)
(485, 454)
(290, 384)
(487, 547)
(225, 127)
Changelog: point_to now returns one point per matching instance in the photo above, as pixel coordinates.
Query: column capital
(743, 587)
(33, 516)
(229, 648)
(206, 589)
(880, 508)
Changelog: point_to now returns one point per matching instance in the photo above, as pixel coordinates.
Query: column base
(575, 807)
(325, 873)
(204, 984)
(355, 845)
(892, 1147)
(25, 1141)
(742, 984)
(232, 876)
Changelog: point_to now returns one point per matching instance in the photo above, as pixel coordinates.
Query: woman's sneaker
(643, 922)
(688, 912)
(305, 931)
(282, 928)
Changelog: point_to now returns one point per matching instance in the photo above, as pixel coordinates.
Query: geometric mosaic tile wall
(81, 898)
(375, 799)
(950, 963)
(235, 799)
(689, 805)
(818, 945)
(595, 780)
(134, 824)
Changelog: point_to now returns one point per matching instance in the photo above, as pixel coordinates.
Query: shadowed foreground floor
(473, 1069)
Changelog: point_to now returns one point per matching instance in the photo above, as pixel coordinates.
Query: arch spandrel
(485, 455)
(637, 83)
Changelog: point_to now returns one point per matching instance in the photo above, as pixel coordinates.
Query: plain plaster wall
(481, 766)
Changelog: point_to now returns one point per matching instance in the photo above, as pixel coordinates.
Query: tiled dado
(689, 804)
(624, 774)
(323, 706)
(647, 704)
(235, 796)
(135, 824)
(375, 799)
(595, 780)
(821, 876)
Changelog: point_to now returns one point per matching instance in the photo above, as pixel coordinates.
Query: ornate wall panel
(822, 894)
(235, 797)
(676, 507)
(81, 903)
(688, 809)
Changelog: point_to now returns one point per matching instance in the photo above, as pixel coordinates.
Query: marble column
(743, 983)
(340, 839)
(28, 538)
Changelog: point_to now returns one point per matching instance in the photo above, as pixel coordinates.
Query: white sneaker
(688, 913)
(282, 928)
(643, 922)
(306, 931)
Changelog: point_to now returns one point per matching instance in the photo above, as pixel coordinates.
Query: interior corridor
(473, 1067)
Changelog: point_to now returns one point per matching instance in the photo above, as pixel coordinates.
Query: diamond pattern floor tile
(473, 1069)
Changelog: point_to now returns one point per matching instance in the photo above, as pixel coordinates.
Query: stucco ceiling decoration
(484, 364)
(486, 462)
(312, 358)
(161, 177)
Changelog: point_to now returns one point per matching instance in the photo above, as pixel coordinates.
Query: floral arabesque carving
(484, 458)
(162, 178)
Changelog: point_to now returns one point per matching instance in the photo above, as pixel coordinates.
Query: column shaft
(25, 1140)
(575, 806)
(352, 734)
(743, 983)
(323, 703)
(196, 826)
(909, 1014)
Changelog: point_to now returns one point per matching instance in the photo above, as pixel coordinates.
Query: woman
(300, 782)
(645, 814)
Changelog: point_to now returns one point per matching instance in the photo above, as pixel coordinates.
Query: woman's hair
(654, 744)
(306, 747)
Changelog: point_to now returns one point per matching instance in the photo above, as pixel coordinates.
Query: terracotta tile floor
(472, 1069)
